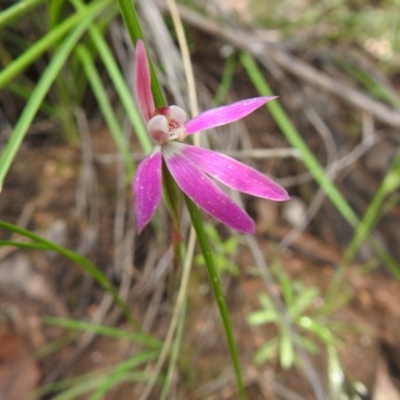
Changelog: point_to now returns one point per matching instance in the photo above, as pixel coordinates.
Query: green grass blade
(38, 94)
(22, 245)
(106, 108)
(120, 371)
(226, 80)
(17, 10)
(53, 37)
(379, 91)
(119, 82)
(312, 164)
(390, 184)
(103, 330)
(83, 262)
(295, 139)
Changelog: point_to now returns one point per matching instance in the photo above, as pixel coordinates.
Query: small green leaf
(267, 351)
(262, 317)
(286, 351)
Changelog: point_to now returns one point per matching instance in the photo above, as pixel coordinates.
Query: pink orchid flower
(191, 166)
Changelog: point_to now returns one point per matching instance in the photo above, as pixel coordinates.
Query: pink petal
(204, 192)
(147, 188)
(225, 114)
(144, 96)
(233, 173)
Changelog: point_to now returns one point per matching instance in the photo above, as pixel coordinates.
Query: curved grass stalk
(44, 244)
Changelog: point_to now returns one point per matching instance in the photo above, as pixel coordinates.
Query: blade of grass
(80, 389)
(24, 90)
(120, 371)
(38, 94)
(226, 80)
(311, 163)
(52, 38)
(118, 81)
(17, 10)
(85, 383)
(106, 108)
(390, 184)
(103, 330)
(22, 245)
(295, 139)
(83, 262)
(379, 91)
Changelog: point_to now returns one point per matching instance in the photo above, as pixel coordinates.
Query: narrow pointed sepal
(202, 191)
(147, 188)
(144, 96)
(233, 173)
(225, 114)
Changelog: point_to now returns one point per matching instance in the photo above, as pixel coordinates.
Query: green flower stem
(217, 289)
(133, 25)
(83, 262)
(135, 32)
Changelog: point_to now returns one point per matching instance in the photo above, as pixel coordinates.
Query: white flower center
(167, 123)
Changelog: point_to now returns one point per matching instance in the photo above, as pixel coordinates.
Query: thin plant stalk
(133, 26)
(217, 289)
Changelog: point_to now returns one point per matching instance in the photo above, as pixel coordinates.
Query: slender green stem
(217, 289)
(132, 23)
(83, 262)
